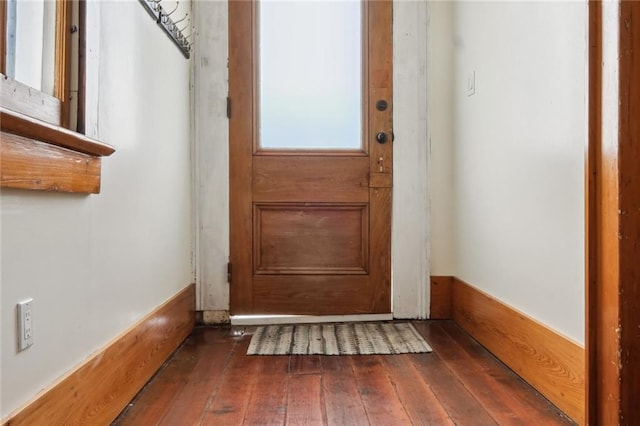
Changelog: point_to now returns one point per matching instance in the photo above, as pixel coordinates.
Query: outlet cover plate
(25, 324)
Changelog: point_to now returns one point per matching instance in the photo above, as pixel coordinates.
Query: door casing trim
(410, 223)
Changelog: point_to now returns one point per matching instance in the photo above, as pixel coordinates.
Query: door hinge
(229, 273)
(228, 107)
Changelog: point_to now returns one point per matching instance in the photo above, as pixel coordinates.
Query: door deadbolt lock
(381, 105)
(381, 137)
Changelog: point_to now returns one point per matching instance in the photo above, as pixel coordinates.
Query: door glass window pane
(310, 74)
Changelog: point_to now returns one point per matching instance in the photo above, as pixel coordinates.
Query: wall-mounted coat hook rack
(168, 25)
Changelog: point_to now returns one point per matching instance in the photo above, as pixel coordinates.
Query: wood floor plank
(190, 403)
(308, 364)
(417, 398)
(528, 401)
(151, 404)
(342, 400)
(210, 381)
(268, 400)
(382, 405)
(229, 406)
(458, 402)
(304, 403)
(494, 398)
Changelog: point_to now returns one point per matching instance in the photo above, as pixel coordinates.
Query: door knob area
(381, 137)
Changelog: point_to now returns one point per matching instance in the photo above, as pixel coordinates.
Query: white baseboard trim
(304, 319)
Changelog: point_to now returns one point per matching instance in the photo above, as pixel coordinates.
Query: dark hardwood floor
(210, 381)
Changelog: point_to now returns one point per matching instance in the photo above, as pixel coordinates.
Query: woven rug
(337, 339)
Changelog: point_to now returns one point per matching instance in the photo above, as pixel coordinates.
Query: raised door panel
(311, 239)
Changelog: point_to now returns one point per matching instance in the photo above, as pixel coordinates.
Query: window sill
(40, 156)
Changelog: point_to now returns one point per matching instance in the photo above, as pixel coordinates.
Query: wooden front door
(310, 157)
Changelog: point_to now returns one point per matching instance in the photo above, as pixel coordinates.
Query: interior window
(36, 50)
(41, 99)
(30, 43)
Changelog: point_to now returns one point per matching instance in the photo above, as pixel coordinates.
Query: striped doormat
(337, 339)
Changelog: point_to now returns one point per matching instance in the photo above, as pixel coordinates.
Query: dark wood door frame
(613, 215)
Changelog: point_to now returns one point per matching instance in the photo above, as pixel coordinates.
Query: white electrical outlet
(25, 324)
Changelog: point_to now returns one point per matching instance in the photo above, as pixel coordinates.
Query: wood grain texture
(233, 398)
(310, 179)
(201, 386)
(378, 392)
(311, 239)
(606, 302)
(456, 400)
(482, 386)
(549, 362)
(332, 295)
(441, 297)
(380, 250)
(339, 390)
(269, 392)
(101, 387)
(241, 89)
(379, 40)
(28, 127)
(613, 299)
(614, 214)
(452, 393)
(151, 405)
(268, 247)
(19, 97)
(304, 400)
(29, 164)
(629, 210)
(591, 210)
(418, 399)
(310, 364)
(342, 402)
(380, 180)
(62, 66)
(529, 406)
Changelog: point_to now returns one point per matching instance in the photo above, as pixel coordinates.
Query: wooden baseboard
(98, 390)
(549, 362)
(441, 297)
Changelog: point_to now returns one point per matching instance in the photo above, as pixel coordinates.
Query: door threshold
(304, 319)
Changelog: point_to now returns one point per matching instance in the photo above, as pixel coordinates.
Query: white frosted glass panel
(310, 75)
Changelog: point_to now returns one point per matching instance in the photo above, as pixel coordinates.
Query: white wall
(519, 156)
(440, 53)
(410, 211)
(94, 265)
